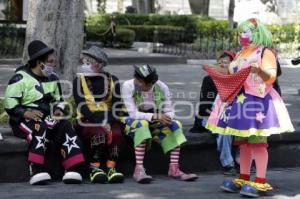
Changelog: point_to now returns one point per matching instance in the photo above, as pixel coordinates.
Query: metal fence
(208, 46)
(12, 41)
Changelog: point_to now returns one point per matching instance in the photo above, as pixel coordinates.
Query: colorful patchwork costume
(142, 106)
(256, 112)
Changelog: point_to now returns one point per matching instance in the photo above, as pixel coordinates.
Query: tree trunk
(101, 6)
(199, 7)
(231, 13)
(149, 6)
(58, 23)
(120, 5)
(143, 6)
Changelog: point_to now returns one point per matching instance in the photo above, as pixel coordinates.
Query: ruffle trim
(247, 133)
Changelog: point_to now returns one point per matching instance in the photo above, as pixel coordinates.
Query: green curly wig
(260, 34)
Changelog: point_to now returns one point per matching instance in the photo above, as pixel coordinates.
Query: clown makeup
(246, 37)
(246, 33)
(95, 65)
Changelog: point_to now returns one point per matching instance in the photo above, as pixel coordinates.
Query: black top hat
(37, 49)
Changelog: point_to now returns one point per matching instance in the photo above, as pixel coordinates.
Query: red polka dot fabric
(228, 85)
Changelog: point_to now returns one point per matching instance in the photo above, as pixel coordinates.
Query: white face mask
(47, 70)
(87, 68)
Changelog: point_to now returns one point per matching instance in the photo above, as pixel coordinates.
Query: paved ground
(286, 184)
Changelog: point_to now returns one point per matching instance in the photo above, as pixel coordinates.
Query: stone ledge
(11, 144)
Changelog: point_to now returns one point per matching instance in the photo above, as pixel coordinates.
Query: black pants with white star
(61, 133)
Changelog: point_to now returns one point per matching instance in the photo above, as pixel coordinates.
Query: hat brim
(85, 52)
(41, 53)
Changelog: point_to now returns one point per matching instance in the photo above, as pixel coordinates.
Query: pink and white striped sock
(140, 153)
(174, 156)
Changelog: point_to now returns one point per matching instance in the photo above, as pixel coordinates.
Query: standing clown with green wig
(151, 116)
(255, 113)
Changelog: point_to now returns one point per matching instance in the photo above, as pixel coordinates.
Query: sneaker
(38, 175)
(230, 186)
(72, 177)
(114, 177)
(229, 171)
(197, 127)
(140, 175)
(175, 172)
(97, 175)
(249, 191)
(296, 61)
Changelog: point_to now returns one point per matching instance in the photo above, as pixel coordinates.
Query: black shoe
(38, 174)
(97, 175)
(296, 61)
(229, 171)
(198, 128)
(114, 177)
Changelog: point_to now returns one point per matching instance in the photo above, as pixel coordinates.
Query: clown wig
(260, 34)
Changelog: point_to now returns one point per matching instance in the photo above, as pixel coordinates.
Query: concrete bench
(198, 155)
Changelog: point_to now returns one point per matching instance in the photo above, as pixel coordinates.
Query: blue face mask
(87, 69)
(47, 70)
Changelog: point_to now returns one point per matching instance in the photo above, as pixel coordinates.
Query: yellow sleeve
(269, 65)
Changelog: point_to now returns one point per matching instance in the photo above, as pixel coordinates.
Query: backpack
(276, 85)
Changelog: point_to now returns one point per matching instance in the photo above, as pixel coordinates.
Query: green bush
(142, 32)
(187, 21)
(96, 33)
(97, 20)
(131, 19)
(150, 33)
(213, 27)
(147, 27)
(12, 40)
(285, 33)
(124, 38)
(190, 27)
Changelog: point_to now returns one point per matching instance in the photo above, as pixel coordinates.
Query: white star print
(41, 141)
(260, 116)
(70, 143)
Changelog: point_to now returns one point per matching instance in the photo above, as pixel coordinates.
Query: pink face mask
(245, 41)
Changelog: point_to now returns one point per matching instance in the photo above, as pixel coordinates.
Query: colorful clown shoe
(114, 177)
(175, 172)
(97, 175)
(140, 175)
(72, 177)
(233, 186)
(254, 189)
(38, 175)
